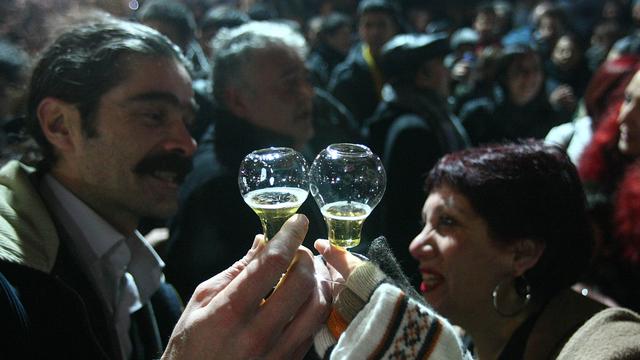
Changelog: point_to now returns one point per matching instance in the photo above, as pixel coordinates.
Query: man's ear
(526, 254)
(59, 121)
(236, 102)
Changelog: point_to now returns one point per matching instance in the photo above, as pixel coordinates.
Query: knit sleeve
(387, 324)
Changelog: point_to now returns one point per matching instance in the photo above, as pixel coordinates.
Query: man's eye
(627, 98)
(153, 117)
(189, 121)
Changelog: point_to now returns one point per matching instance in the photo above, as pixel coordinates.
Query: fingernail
(257, 241)
(322, 246)
(300, 219)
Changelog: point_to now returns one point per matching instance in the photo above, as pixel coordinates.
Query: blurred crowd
(414, 80)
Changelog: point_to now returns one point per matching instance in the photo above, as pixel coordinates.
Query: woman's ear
(526, 254)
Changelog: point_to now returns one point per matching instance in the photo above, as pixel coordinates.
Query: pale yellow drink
(274, 206)
(344, 222)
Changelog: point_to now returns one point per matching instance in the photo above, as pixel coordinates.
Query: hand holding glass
(347, 181)
(273, 182)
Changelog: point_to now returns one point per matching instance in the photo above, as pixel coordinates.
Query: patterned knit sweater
(373, 319)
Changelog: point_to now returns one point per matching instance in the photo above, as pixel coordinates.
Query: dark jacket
(55, 310)
(576, 78)
(494, 118)
(332, 122)
(321, 62)
(214, 227)
(417, 129)
(353, 84)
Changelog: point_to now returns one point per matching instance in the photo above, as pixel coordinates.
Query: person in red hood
(610, 170)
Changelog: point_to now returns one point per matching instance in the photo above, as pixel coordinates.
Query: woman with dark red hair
(610, 170)
(505, 236)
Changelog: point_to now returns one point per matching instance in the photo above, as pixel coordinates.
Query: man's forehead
(147, 78)
(278, 51)
(280, 58)
(132, 64)
(164, 97)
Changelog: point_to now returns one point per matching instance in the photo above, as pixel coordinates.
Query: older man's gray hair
(234, 49)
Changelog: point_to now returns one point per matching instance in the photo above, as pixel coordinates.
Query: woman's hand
(341, 262)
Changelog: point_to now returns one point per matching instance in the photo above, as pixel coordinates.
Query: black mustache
(170, 162)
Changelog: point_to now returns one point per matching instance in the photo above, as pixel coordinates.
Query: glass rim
(273, 153)
(274, 149)
(349, 149)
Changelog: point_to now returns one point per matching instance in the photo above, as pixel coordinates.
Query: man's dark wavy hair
(83, 64)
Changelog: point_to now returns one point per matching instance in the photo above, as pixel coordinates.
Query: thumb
(208, 289)
(342, 260)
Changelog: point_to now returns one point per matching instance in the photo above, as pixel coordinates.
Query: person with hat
(357, 81)
(411, 128)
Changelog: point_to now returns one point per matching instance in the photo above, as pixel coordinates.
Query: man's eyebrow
(162, 96)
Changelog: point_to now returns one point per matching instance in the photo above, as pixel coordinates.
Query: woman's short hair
(526, 191)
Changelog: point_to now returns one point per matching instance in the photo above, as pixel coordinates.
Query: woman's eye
(445, 220)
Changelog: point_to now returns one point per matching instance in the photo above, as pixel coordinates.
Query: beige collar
(28, 235)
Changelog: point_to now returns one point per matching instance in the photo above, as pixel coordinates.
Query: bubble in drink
(344, 222)
(274, 206)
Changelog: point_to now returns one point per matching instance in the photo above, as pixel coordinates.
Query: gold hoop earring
(523, 289)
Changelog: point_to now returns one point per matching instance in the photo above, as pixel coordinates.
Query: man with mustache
(263, 98)
(110, 104)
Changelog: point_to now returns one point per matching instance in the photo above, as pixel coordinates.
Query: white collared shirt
(125, 270)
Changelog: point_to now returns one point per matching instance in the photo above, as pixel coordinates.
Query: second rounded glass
(347, 181)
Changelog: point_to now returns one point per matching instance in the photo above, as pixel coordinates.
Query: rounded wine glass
(347, 181)
(273, 182)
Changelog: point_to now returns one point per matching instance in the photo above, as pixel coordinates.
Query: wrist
(358, 288)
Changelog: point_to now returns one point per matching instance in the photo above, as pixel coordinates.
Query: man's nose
(181, 140)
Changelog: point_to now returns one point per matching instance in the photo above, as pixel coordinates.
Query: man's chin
(302, 139)
(309, 135)
(161, 206)
(301, 130)
(162, 211)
